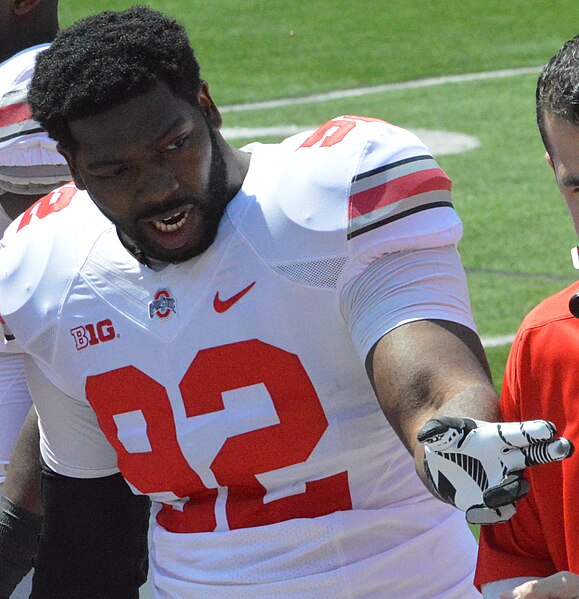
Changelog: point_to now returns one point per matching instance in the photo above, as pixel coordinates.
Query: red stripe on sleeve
(403, 187)
(14, 114)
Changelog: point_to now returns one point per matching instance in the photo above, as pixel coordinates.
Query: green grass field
(517, 232)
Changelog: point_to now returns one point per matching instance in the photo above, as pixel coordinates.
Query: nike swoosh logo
(224, 305)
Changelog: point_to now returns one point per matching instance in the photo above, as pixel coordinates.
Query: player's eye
(110, 174)
(179, 143)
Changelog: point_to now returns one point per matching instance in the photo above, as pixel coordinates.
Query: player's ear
(69, 157)
(22, 7)
(549, 160)
(208, 106)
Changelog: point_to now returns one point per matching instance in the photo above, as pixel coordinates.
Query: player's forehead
(133, 124)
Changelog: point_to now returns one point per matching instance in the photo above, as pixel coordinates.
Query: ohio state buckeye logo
(162, 305)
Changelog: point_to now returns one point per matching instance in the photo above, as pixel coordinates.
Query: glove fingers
(512, 488)
(547, 452)
(538, 453)
(523, 434)
(480, 514)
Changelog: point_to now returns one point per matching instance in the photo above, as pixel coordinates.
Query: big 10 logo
(93, 334)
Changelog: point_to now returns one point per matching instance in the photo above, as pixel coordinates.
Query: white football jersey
(228, 388)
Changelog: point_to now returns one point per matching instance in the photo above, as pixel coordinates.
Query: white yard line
(385, 87)
(497, 341)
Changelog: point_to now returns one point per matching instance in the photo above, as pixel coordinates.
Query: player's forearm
(93, 541)
(479, 402)
(427, 369)
(20, 508)
(22, 484)
(487, 410)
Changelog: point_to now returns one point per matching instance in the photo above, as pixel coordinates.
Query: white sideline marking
(385, 87)
(498, 340)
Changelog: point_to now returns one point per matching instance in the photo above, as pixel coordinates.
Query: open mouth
(171, 223)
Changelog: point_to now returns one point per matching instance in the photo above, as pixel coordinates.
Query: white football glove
(478, 466)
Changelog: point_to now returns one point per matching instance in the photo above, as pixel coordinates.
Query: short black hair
(558, 87)
(108, 58)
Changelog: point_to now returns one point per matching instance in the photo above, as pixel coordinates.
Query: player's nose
(156, 185)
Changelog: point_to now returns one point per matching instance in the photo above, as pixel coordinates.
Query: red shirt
(541, 382)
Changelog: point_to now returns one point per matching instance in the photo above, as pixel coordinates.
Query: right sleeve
(405, 287)
(71, 442)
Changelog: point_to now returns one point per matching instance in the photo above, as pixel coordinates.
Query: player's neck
(138, 254)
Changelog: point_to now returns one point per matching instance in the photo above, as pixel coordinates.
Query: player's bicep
(71, 442)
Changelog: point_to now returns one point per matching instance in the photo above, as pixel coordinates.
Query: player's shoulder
(395, 191)
(370, 166)
(355, 186)
(48, 242)
(24, 146)
(542, 357)
(321, 176)
(15, 76)
(61, 214)
(349, 145)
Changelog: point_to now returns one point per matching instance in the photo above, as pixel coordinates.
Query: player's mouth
(175, 228)
(171, 223)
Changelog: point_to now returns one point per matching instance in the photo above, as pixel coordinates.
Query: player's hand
(478, 466)
(563, 585)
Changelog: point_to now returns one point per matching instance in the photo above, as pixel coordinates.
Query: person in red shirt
(535, 555)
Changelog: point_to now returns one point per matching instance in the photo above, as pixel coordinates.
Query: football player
(268, 342)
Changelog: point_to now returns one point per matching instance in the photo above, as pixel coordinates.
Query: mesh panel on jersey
(43, 345)
(316, 273)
